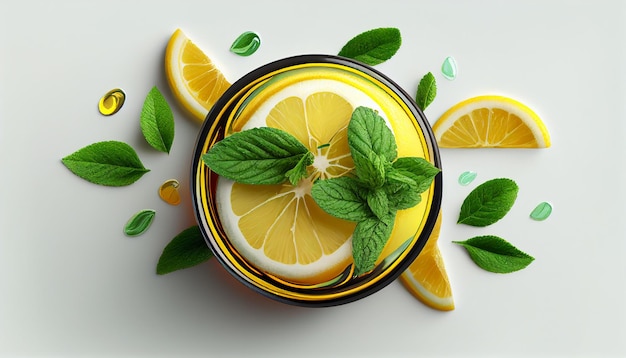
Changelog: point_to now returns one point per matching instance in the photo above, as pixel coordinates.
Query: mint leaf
(139, 223)
(185, 250)
(108, 163)
(426, 91)
(374, 46)
(342, 197)
(368, 240)
(378, 202)
(489, 202)
(299, 172)
(157, 121)
(495, 254)
(370, 170)
(402, 191)
(368, 132)
(256, 156)
(418, 169)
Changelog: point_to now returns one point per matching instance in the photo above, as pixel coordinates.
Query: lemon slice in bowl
(491, 121)
(426, 278)
(194, 79)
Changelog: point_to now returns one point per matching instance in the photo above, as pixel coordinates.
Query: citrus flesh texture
(193, 78)
(426, 278)
(279, 228)
(491, 121)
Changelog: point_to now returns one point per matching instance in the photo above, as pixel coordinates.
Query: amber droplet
(111, 102)
(169, 192)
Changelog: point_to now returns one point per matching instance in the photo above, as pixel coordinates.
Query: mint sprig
(262, 155)
(374, 46)
(157, 121)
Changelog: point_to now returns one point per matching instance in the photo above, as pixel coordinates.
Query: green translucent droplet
(541, 212)
(246, 44)
(448, 68)
(139, 223)
(467, 177)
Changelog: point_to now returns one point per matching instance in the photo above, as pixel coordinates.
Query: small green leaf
(186, 250)
(402, 191)
(374, 46)
(426, 91)
(108, 163)
(342, 197)
(495, 254)
(370, 170)
(489, 202)
(299, 172)
(246, 44)
(368, 240)
(256, 156)
(368, 132)
(139, 223)
(378, 203)
(418, 169)
(157, 121)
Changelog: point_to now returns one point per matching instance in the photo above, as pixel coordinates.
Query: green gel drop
(246, 44)
(541, 212)
(448, 68)
(467, 177)
(139, 223)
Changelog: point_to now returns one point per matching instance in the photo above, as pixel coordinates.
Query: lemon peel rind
(425, 296)
(527, 115)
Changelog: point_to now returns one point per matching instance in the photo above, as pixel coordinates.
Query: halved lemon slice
(491, 121)
(192, 76)
(426, 277)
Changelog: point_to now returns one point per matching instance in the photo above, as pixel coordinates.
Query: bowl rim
(291, 61)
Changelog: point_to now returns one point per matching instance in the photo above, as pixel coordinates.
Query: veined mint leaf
(426, 91)
(256, 156)
(402, 191)
(368, 132)
(298, 172)
(374, 46)
(110, 163)
(489, 202)
(495, 254)
(157, 121)
(185, 250)
(342, 197)
(368, 240)
(418, 169)
(370, 170)
(139, 223)
(378, 202)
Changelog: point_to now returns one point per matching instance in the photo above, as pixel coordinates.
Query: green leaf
(246, 44)
(374, 46)
(368, 132)
(256, 156)
(342, 197)
(402, 191)
(426, 91)
(139, 223)
(108, 163)
(368, 240)
(299, 172)
(489, 202)
(157, 121)
(418, 169)
(495, 254)
(371, 170)
(186, 250)
(378, 202)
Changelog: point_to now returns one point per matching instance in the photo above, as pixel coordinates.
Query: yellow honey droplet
(111, 102)
(169, 192)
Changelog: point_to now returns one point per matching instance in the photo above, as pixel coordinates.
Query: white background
(71, 283)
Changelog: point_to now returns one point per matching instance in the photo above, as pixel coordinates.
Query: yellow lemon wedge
(426, 277)
(490, 121)
(193, 78)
